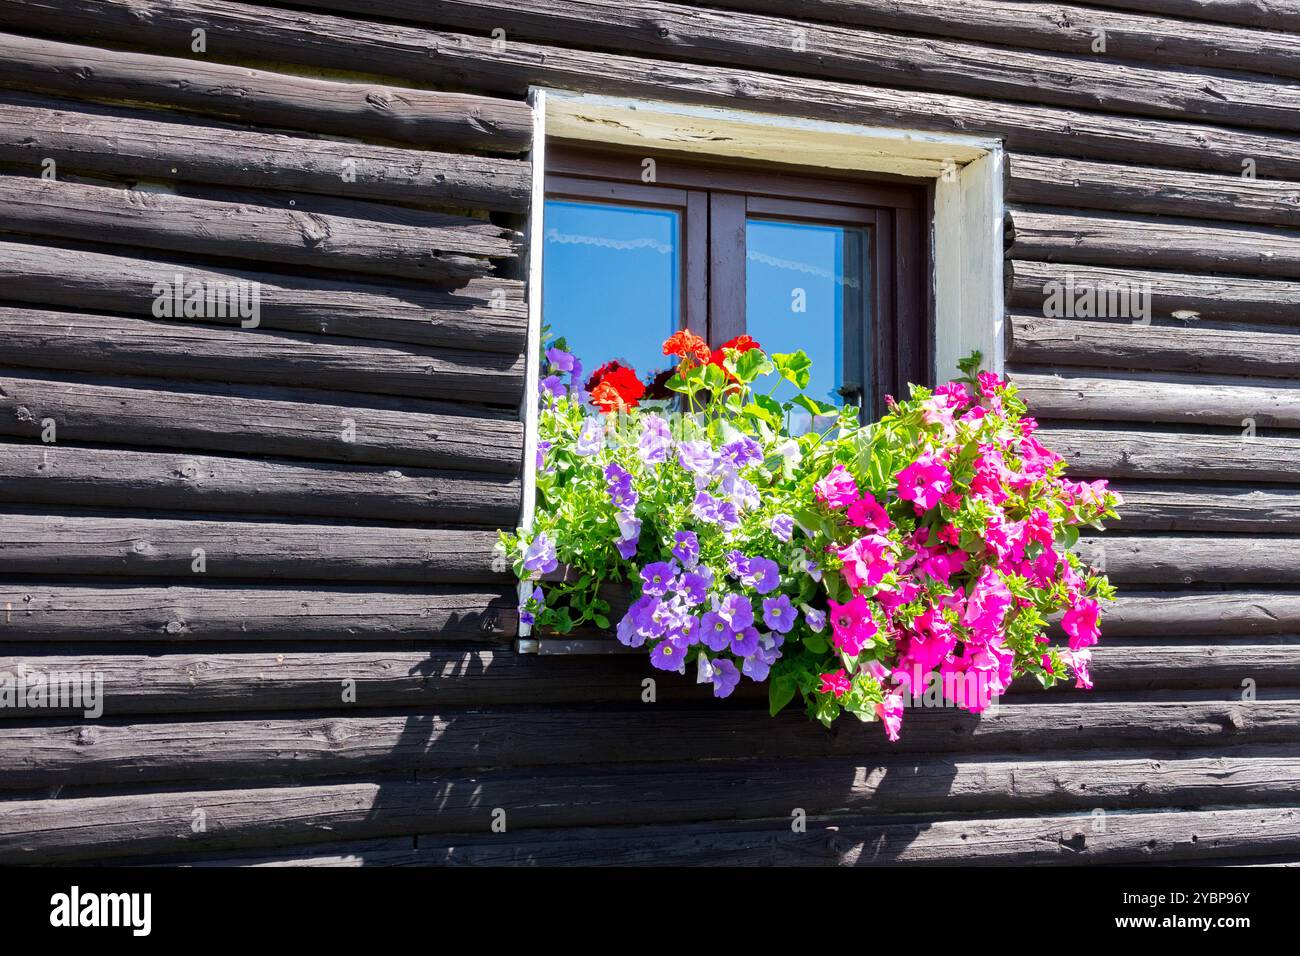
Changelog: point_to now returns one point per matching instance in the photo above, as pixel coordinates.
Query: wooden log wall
(274, 544)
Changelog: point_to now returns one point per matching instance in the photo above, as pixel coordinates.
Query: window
(636, 247)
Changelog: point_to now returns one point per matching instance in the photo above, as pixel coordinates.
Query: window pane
(805, 289)
(612, 285)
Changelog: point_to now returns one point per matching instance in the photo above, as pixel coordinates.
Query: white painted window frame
(966, 232)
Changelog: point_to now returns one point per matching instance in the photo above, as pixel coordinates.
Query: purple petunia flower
(539, 555)
(658, 578)
(629, 525)
(619, 485)
(687, 631)
(697, 457)
(560, 360)
(705, 507)
(725, 677)
(742, 452)
(745, 642)
(672, 616)
(737, 563)
(816, 619)
(591, 440)
(542, 448)
(755, 668)
(715, 632)
(669, 655)
(782, 526)
(526, 616)
(769, 647)
(551, 386)
(694, 586)
(629, 529)
(779, 614)
(736, 610)
(762, 574)
(740, 492)
(656, 439)
(686, 548)
(627, 632)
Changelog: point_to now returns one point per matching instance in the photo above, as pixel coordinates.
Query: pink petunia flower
(1080, 623)
(867, 512)
(924, 482)
(836, 682)
(866, 561)
(852, 625)
(890, 712)
(838, 489)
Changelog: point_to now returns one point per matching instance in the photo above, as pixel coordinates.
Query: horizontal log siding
(391, 300)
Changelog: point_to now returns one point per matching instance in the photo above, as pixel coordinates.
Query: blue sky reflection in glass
(800, 281)
(612, 281)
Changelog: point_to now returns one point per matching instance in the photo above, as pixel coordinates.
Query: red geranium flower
(614, 386)
(687, 344)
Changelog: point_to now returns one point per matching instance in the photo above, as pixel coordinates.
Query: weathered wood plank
(1176, 615)
(202, 227)
(487, 314)
(1097, 396)
(122, 142)
(1176, 838)
(241, 420)
(1097, 453)
(104, 827)
(1264, 14)
(1185, 835)
(109, 752)
(39, 338)
(51, 613)
(734, 38)
(1041, 341)
(1183, 295)
(444, 676)
(1183, 559)
(1065, 28)
(425, 118)
(479, 63)
(1183, 507)
(1094, 238)
(112, 478)
(1061, 181)
(61, 545)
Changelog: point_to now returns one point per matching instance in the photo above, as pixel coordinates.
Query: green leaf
(715, 379)
(780, 691)
(971, 363)
(1068, 537)
(747, 366)
(761, 409)
(816, 408)
(679, 384)
(795, 367)
(816, 643)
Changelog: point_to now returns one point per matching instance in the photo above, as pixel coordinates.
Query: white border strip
(528, 407)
